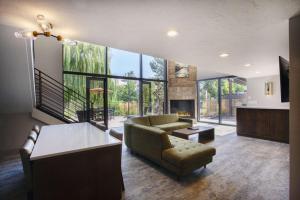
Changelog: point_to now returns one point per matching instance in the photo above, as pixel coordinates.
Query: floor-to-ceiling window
(79, 60)
(135, 84)
(153, 91)
(218, 99)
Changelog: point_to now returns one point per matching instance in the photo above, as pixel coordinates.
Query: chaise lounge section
(150, 137)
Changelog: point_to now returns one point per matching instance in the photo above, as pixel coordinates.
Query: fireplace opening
(184, 108)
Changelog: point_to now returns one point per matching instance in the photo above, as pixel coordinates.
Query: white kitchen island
(76, 161)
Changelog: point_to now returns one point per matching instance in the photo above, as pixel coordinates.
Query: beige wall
(295, 108)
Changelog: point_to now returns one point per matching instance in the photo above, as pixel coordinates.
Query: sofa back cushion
(141, 120)
(162, 119)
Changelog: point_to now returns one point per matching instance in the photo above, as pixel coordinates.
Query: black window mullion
(141, 98)
(219, 100)
(166, 106)
(198, 103)
(105, 62)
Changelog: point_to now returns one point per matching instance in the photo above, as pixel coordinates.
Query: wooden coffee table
(205, 133)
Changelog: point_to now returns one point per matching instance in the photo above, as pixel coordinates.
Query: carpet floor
(243, 168)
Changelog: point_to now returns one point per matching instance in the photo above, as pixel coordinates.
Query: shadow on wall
(14, 129)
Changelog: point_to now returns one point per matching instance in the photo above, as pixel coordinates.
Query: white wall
(256, 92)
(16, 90)
(15, 73)
(48, 57)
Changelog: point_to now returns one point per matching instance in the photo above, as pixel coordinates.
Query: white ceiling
(252, 31)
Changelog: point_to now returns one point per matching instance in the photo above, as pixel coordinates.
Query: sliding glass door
(233, 94)
(218, 99)
(123, 100)
(208, 101)
(96, 101)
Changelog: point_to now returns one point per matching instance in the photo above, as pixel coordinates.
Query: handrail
(79, 95)
(50, 98)
(68, 91)
(57, 94)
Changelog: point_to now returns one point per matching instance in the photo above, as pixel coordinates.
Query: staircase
(51, 95)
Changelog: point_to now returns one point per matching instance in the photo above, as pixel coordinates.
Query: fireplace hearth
(184, 108)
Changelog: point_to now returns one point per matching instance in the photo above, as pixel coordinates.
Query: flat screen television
(284, 79)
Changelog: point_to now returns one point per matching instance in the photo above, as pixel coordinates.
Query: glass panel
(84, 57)
(153, 97)
(208, 101)
(73, 107)
(96, 102)
(123, 63)
(123, 101)
(233, 94)
(153, 68)
(147, 98)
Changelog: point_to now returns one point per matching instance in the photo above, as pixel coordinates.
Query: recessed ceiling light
(224, 55)
(247, 65)
(172, 33)
(40, 17)
(257, 72)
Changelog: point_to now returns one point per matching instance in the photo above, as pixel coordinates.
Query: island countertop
(263, 107)
(62, 139)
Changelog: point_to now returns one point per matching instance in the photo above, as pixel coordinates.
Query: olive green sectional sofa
(151, 137)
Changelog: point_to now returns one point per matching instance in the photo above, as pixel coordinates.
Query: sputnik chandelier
(45, 30)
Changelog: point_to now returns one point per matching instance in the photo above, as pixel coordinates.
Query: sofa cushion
(160, 136)
(141, 120)
(186, 153)
(173, 126)
(162, 119)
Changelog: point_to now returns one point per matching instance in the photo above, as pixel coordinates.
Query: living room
(149, 100)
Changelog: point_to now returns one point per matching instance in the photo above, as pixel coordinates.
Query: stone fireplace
(182, 92)
(184, 108)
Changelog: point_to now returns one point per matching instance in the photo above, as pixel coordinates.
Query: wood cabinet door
(246, 121)
(280, 125)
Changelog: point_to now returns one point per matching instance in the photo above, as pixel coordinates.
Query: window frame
(140, 79)
(219, 79)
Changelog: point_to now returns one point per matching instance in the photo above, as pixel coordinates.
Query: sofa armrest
(127, 133)
(190, 121)
(149, 141)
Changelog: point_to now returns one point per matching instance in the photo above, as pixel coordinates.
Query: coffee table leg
(206, 136)
(212, 134)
